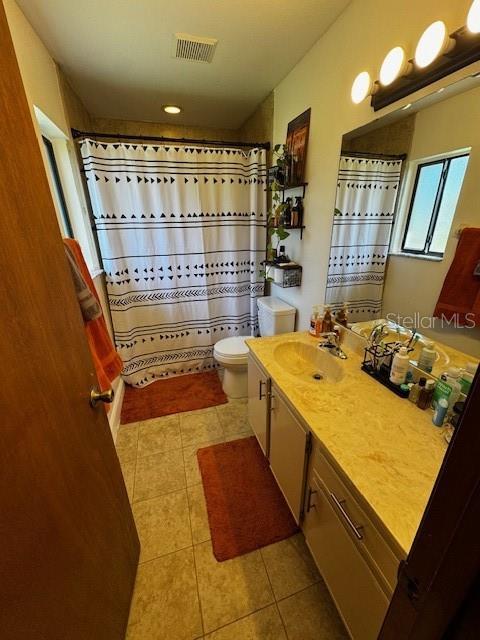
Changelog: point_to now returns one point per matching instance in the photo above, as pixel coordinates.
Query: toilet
(274, 317)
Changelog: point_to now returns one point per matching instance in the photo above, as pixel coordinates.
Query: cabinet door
(258, 397)
(288, 441)
(358, 596)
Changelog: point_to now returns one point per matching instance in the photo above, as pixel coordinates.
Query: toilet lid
(232, 347)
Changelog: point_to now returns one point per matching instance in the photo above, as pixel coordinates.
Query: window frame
(446, 162)
(52, 161)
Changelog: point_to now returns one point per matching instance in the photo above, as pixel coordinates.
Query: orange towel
(460, 293)
(108, 364)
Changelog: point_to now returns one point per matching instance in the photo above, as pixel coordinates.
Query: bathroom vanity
(355, 463)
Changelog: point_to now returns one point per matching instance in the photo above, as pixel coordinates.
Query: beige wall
(413, 284)
(38, 70)
(393, 139)
(322, 80)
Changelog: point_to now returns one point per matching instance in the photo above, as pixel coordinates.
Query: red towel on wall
(460, 293)
(108, 364)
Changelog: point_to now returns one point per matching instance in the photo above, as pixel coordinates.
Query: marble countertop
(386, 446)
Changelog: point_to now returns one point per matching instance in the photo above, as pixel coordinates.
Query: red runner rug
(174, 395)
(246, 509)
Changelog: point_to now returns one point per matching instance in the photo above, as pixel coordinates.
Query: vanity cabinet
(289, 444)
(355, 561)
(259, 403)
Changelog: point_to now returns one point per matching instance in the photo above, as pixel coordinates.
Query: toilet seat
(232, 351)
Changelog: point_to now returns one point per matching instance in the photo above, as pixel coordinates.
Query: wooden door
(68, 544)
(258, 392)
(288, 453)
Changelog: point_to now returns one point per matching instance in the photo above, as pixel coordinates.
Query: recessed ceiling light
(473, 19)
(392, 66)
(361, 87)
(407, 106)
(171, 108)
(441, 90)
(432, 43)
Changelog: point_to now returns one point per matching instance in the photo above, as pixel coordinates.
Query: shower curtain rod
(123, 136)
(366, 154)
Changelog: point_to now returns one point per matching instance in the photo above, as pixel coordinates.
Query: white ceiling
(117, 53)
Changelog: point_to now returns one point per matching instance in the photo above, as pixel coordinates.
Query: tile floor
(182, 592)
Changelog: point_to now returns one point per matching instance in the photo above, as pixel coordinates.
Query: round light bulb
(431, 43)
(171, 108)
(473, 19)
(361, 87)
(392, 66)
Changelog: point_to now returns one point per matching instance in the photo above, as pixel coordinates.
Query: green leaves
(281, 233)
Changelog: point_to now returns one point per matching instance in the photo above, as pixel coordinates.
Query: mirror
(408, 185)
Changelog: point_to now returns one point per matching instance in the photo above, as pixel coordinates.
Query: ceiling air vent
(196, 48)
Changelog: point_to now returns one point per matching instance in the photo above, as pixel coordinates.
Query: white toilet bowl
(232, 354)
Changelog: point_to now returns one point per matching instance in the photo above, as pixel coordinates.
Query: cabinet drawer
(370, 541)
(358, 596)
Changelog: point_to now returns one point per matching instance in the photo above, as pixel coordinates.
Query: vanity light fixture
(473, 18)
(361, 87)
(394, 65)
(172, 109)
(433, 42)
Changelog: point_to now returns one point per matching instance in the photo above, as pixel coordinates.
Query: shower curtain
(367, 190)
(182, 233)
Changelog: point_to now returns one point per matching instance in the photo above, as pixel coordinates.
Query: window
(58, 191)
(434, 199)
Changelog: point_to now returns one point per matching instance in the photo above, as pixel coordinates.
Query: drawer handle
(357, 529)
(311, 492)
(261, 396)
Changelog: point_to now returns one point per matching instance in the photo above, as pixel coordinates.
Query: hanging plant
(276, 231)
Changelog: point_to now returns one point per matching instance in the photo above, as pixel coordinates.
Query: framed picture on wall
(297, 142)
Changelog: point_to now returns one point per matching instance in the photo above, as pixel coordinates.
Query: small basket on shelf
(289, 275)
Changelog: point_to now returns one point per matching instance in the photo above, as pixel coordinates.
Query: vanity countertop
(386, 446)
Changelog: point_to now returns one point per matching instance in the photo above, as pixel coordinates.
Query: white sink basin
(307, 362)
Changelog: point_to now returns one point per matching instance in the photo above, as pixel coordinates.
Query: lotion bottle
(400, 364)
(313, 322)
(427, 358)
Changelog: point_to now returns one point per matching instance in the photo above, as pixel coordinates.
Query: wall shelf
(301, 228)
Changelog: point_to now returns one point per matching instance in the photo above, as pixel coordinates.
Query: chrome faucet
(332, 343)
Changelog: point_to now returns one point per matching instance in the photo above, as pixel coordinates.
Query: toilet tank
(275, 316)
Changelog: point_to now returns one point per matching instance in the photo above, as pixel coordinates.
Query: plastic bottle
(467, 375)
(341, 316)
(426, 394)
(452, 378)
(313, 322)
(440, 412)
(400, 364)
(319, 321)
(327, 324)
(427, 357)
(416, 389)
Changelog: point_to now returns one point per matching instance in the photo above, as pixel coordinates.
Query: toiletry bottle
(416, 389)
(440, 412)
(327, 324)
(427, 357)
(467, 376)
(319, 321)
(453, 380)
(313, 322)
(400, 364)
(287, 213)
(430, 389)
(426, 393)
(342, 315)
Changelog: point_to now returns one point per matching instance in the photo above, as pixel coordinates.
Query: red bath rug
(246, 509)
